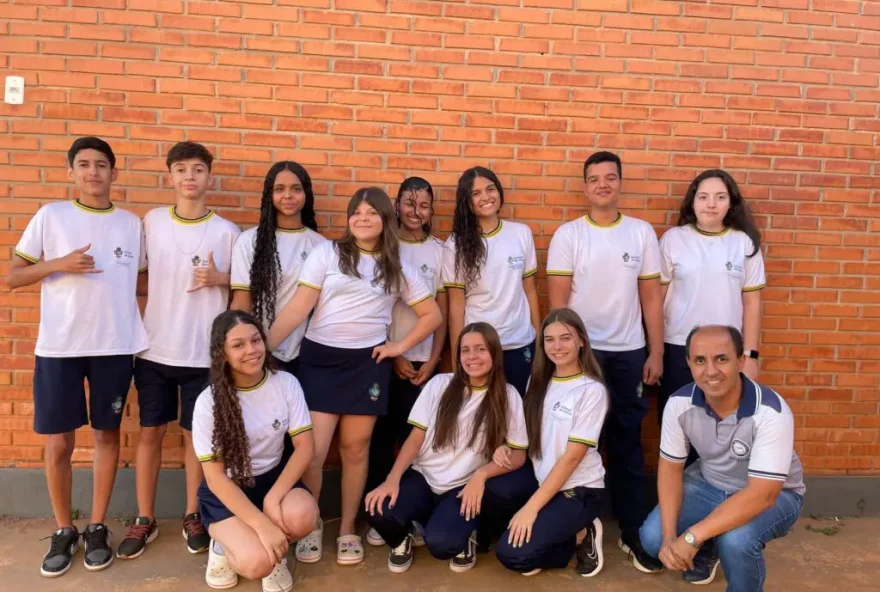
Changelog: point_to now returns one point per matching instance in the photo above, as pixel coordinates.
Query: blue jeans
(741, 550)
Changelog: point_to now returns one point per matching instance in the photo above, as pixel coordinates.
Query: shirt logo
(375, 391)
(631, 261)
(424, 268)
(303, 255)
(739, 449)
(626, 257)
(516, 262)
(728, 265)
(196, 260)
(118, 252)
(276, 424)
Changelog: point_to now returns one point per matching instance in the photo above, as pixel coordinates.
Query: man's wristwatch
(752, 353)
(691, 540)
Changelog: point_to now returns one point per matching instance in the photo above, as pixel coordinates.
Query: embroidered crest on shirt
(516, 262)
(740, 449)
(631, 261)
(118, 252)
(276, 425)
(375, 391)
(304, 255)
(196, 260)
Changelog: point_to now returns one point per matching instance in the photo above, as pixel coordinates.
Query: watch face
(689, 538)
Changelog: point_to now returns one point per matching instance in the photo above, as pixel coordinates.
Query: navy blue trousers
(518, 366)
(676, 374)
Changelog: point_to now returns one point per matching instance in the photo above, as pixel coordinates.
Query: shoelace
(401, 548)
(138, 531)
(194, 527)
(59, 543)
(96, 537)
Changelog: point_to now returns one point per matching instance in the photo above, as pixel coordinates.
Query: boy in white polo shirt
(85, 254)
(189, 253)
(747, 487)
(606, 267)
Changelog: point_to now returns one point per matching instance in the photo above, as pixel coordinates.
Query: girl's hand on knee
(472, 497)
(274, 541)
(272, 510)
(521, 527)
(375, 500)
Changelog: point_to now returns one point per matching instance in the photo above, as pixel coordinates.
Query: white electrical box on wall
(14, 90)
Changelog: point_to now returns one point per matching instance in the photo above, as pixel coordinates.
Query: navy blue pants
(676, 374)
(503, 497)
(554, 534)
(518, 366)
(622, 438)
(446, 530)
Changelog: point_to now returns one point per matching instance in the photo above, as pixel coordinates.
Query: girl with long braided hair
(251, 501)
(267, 259)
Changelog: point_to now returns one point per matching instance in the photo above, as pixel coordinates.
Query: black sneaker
(705, 568)
(96, 546)
(589, 553)
(197, 538)
(62, 548)
(467, 559)
(400, 558)
(140, 533)
(639, 557)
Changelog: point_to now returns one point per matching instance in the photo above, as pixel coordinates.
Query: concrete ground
(845, 557)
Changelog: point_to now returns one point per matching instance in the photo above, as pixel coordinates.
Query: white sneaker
(311, 548)
(374, 538)
(467, 559)
(279, 580)
(219, 575)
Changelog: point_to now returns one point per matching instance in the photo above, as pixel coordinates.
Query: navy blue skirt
(343, 381)
(291, 366)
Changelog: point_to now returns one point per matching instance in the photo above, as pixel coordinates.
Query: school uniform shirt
(605, 264)
(89, 314)
(271, 410)
(293, 248)
(454, 465)
(707, 275)
(179, 323)
(574, 411)
(755, 441)
(353, 313)
(426, 257)
(498, 297)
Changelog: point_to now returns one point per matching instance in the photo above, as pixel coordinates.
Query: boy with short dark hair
(86, 255)
(189, 253)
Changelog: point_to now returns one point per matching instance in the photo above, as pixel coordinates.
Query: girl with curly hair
(267, 259)
(251, 501)
(352, 284)
(490, 271)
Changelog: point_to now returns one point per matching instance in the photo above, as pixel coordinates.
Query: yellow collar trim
(256, 386)
(616, 222)
(92, 210)
(173, 211)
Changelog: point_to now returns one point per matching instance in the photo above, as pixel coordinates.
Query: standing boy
(86, 255)
(189, 250)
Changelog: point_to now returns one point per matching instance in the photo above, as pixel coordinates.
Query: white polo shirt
(605, 264)
(353, 313)
(498, 297)
(707, 276)
(426, 257)
(271, 410)
(179, 323)
(756, 441)
(454, 465)
(93, 314)
(293, 247)
(574, 411)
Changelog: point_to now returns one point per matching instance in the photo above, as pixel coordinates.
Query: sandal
(349, 550)
(310, 549)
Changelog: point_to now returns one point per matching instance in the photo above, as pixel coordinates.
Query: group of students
(345, 336)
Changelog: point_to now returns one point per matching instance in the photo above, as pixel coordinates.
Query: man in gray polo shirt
(747, 487)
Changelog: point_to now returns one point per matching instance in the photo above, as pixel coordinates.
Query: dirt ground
(816, 555)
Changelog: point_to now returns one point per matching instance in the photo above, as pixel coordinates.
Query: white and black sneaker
(400, 558)
(705, 568)
(639, 557)
(96, 547)
(467, 559)
(589, 552)
(62, 548)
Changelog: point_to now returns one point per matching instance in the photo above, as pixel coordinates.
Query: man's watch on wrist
(691, 539)
(752, 353)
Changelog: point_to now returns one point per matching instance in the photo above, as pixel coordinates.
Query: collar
(749, 403)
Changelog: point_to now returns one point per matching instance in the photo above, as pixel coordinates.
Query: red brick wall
(781, 93)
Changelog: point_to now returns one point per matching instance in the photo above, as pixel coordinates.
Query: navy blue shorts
(344, 381)
(163, 389)
(291, 367)
(212, 510)
(60, 404)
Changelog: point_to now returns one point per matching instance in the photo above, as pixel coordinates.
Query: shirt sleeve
(142, 258)
(298, 419)
(560, 255)
(517, 436)
(242, 259)
(422, 414)
(754, 268)
(450, 279)
(203, 427)
(414, 290)
(674, 445)
(773, 445)
(30, 246)
(650, 255)
(438, 277)
(314, 270)
(589, 416)
(666, 267)
(531, 257)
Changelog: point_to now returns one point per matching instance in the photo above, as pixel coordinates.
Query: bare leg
(147, 464)
(194, 474)
(104, 472)
(59, 475)
(355, 432)
(323, 427)
(299, 512)
(243, 549)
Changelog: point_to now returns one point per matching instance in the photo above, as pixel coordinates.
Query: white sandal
(219, 575)
(280, 580)
(311, 548)
(349, 550)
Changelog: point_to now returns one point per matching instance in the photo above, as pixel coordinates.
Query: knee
(59, 449)
(354, 452)
(301, 520)
(152, 436)
(650, 534)
(739, 542)
(253, 564)
(442, 546)
(513, 558)
(107, 438)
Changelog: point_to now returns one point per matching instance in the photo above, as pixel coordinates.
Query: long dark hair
(230, 441)
(409, 190)
(491, 414)
(543, 369)
(470, 249)
(739, 216)
(388, 266)
(266, 268)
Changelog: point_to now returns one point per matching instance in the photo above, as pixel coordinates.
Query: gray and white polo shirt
(756, 441)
